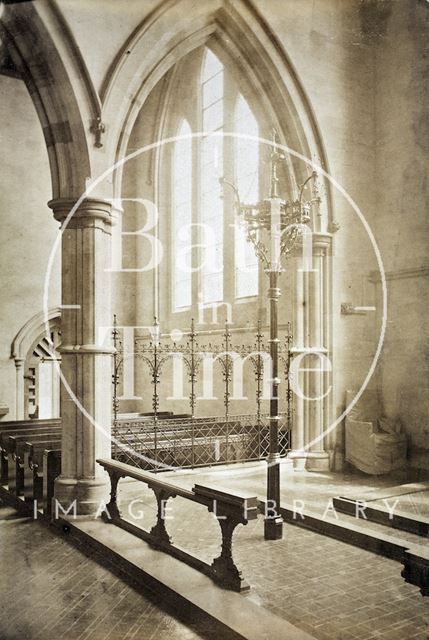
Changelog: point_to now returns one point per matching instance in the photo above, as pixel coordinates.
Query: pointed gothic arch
(240, 37)
(167, 35)
(49, 62)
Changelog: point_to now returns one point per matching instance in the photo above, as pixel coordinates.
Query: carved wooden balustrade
(229, 509)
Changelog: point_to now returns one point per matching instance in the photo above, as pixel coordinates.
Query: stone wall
(402, 223)
(363, 69)
(28, 227)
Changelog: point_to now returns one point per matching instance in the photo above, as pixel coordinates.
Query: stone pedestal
(86, 389)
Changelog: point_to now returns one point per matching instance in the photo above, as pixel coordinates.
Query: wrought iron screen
(161, 441)
(183, 442)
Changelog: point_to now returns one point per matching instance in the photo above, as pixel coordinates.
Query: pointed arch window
(212, 206)
(227, 268)
(182, 218)
(246, 161)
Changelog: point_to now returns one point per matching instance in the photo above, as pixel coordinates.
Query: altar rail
(185, 442)
(229, 509)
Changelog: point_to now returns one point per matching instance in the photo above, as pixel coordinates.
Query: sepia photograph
(214, 335)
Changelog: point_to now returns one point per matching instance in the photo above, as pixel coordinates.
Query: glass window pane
(182, 219)
(210, 186)
(211, 66)
(213, 90)
(211, 168)
(246, 266)
(183, 293)
(212, 152)
(246, 162)
(212, 288)
(213, 117)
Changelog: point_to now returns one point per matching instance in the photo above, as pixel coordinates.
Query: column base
(79, 497)
(309, 461)
(273, 528)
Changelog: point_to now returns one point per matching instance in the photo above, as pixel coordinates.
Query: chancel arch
(47, 59)
(268, 89)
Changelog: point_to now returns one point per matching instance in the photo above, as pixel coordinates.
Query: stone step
(233, 615)
(385, 515)
(236, 615)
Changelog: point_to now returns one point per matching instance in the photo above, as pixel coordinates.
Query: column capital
(89, 211)
(321, 241)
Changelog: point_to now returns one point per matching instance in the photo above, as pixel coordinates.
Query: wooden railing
(230, 510)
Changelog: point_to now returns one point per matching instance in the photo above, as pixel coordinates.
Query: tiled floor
(330, 589)
(314, 489)
(50, 590)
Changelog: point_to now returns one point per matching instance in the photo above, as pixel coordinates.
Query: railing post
(227, 369)
(289, 409)
(258, 377)
(159, 531)
(193, 365)
(117, 363)
(112, 507)
(225, 571)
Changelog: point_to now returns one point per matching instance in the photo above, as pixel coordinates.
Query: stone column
(311, 320)
(19, 389)
(85, 359)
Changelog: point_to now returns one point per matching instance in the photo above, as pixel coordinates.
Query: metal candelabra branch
(274, 226)
(285, 357)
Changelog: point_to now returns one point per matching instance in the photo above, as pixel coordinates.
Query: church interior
(214, 348)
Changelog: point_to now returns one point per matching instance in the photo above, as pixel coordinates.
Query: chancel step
(388, 517)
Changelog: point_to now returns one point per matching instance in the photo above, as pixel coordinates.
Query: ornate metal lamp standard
(274, 226)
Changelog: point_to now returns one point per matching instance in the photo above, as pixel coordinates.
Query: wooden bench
(186, 444)
(51, 470)
(32, 455)
(19, 426)
(23, 424)
(230, 509)
(12, 448)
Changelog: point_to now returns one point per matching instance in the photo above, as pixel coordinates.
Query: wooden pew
(51, 470)
(15, 479)
(23, 424)
(180, 444)
(4, 447)
(32, 455)
(15, 426)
